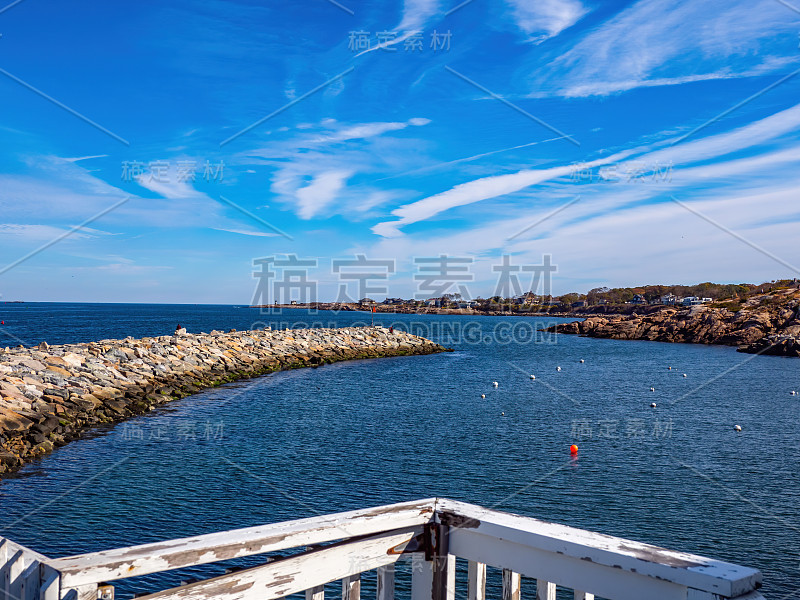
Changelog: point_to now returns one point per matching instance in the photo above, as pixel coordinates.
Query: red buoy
(573, 449)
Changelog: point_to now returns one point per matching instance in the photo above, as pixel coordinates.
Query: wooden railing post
(24, 574)
(316, 593)
(512, 585)
(579, 595)
(50, 588)
(12, 574)
(476, 581)
(433, 575)
(545, 590)
(351, 587)
(385, 590)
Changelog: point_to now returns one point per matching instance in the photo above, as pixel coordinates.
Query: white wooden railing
(432, 533)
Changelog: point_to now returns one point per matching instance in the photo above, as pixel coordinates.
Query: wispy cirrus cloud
(44, 233)
(544, 19)
(416, 13)
(702, 149)
(660, 42)
(313, 167)
(249, 232)
(318, 194)
(478, 190)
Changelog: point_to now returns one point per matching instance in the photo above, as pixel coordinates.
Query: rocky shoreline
(50, 395)
(766, 325)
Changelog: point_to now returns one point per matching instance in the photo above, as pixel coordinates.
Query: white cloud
(38, 233)
(79, 158)
(477, 191)
(542, 19)
(661, 42)
(247, 232)
(312, 167)
(415, 14)
(169, 188)
(617, 234)
(317, 195)
(363, 131)
(681, 154)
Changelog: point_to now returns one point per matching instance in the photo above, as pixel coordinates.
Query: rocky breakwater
(766, 325)
(49, 395)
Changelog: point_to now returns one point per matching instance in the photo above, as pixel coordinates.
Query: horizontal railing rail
(432, 533)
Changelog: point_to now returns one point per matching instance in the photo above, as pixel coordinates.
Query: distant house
(691, 301)
(466, 304)
(638, 299)
(526, 298)
(293, 302)
(393, 301)
(669, 299)
(367, 301)
(706, 300)
(436, 302)
(601, 302)
(579, 304)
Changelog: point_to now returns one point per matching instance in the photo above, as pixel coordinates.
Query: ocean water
(363, 433)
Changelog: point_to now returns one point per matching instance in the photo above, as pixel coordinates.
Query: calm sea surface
(364, 433)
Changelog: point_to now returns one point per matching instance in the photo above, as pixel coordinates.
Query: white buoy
(483, 395)
(669, 368)
(652, 405)
(684, 374)
(495, 384)
(502, 414)
(652, 389)
(794, 393)
(558, 368)
(533, 376)
(737, 427)
(581, 360)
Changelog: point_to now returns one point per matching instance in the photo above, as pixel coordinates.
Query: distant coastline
(764, 324)
(760, 322)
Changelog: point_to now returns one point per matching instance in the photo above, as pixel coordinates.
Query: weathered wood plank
(385, 588)
(110, 565)
(351, 587)
(512, 585)
(476, 581)
(299, 573)
(545, 590)
(623, 555)
(574, 573)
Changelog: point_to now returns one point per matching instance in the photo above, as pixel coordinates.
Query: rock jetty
(769, 325)
(49, 395)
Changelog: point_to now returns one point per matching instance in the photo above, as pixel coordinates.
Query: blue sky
(561, 127)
